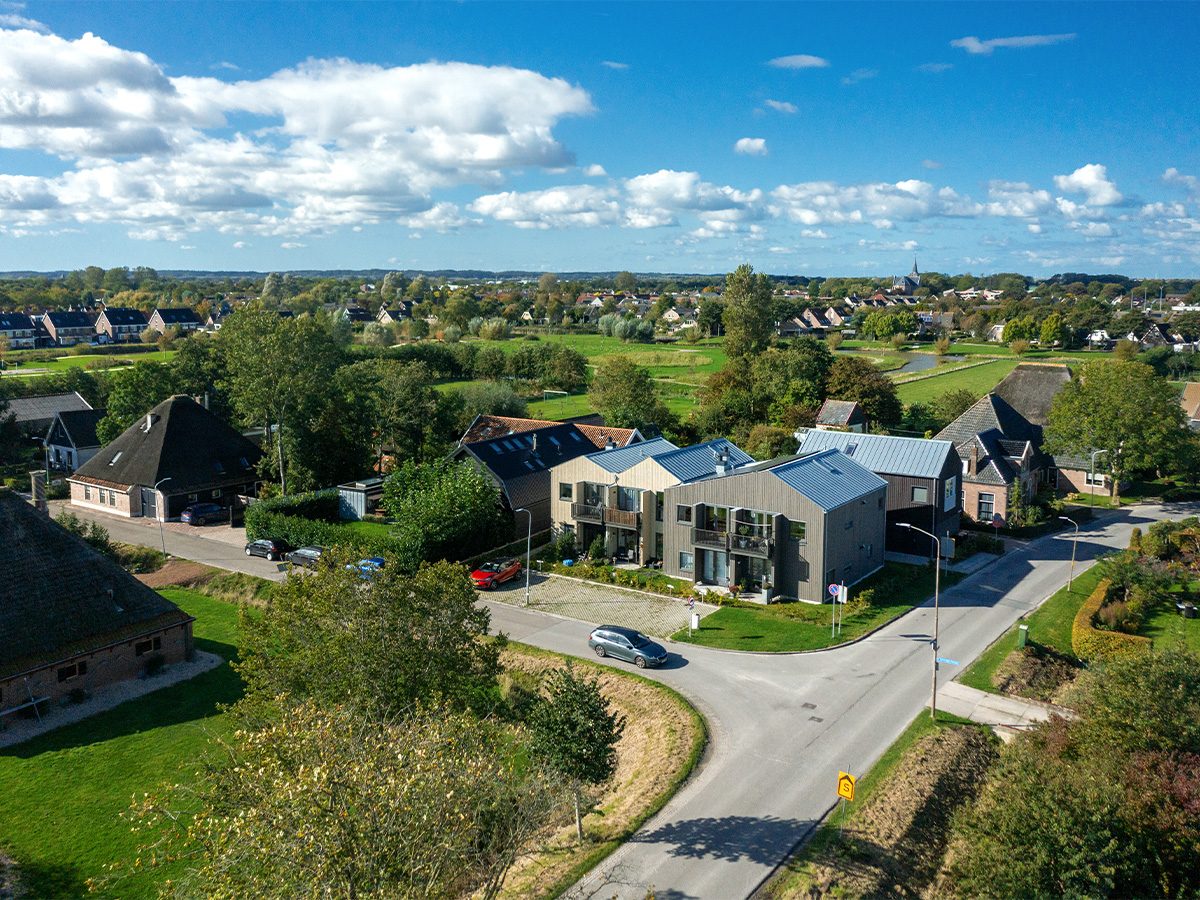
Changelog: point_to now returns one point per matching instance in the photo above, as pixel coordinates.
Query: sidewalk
(1006, 715)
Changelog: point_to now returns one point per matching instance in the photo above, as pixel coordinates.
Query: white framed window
(686, 561)
(920, 494)
(683, 514)
(1096, 479)
(987, 507)
(87, 492)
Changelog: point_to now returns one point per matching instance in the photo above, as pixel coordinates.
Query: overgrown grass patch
(977, 379)
(1049, 626)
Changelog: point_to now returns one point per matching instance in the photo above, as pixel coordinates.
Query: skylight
(116, 456)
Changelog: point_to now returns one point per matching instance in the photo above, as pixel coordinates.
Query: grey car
(627, 644)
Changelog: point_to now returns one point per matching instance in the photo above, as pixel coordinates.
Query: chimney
(38, 490)
(149, 421)
(722, 461)
(610, 444)
(534, 448)
(973, 465)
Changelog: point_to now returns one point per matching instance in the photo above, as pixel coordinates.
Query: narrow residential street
(781, 725)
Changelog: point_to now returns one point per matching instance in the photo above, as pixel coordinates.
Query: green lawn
(1049, 625)
(789, 627)
(1167, 628)
(63, 363)
(977, 379)
(63, 793)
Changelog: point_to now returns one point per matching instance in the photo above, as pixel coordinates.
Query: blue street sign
(834, 590)
(948, 662)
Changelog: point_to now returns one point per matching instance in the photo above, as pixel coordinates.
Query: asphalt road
(781, 725)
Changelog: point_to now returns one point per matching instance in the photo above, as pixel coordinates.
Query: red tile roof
(487, 427)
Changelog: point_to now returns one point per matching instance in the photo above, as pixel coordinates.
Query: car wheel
(640, 662)
(248, 553)
(200, 521)
(601, 652)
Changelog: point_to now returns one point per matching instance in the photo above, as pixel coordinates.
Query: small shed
(358, 499)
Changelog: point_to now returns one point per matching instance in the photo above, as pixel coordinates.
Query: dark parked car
(306, 557)
(203, 513)
(267, 549)
(627, 644)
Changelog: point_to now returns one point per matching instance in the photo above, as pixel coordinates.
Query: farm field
(978, 380)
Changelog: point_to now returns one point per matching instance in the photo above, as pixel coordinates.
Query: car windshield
(490, 567)
(640, 640)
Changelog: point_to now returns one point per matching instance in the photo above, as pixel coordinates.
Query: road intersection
(781, 726)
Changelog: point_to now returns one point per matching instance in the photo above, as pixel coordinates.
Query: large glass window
(566, 490)
(686, 561)
(920, 494)
(716, 518)
(987, 507)
(683, 514)
(658, 506)
(593, 494)
(629, 499)
(798, 531)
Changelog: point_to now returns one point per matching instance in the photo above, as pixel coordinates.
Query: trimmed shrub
(1091, 644)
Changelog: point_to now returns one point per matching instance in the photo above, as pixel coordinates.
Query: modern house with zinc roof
(785, 528)
(177, 454)
(71, 440)
(922, 477)
(618, 493)
(72, 618)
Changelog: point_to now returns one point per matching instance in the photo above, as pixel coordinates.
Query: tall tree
(625, 394)
(575, 733)
(133, 393)
(626, 282)
(1120, 407)
(747, 318)
(852, 378)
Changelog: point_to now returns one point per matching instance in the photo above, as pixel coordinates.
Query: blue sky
(811, 139)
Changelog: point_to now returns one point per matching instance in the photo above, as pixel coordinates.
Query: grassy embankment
(32, 368)
(791, 627)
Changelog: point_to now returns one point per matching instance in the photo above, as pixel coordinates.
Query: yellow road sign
(845, 787)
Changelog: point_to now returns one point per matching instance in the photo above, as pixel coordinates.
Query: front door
(149, 503)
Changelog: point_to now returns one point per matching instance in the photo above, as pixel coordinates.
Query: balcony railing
(703, 537)
(753, 544)
(622, 518)
(587, 512)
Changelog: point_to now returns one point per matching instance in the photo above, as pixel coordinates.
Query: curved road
(781, 726)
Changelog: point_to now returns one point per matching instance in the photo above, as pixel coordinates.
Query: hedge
(1092, 644)
(312, 518)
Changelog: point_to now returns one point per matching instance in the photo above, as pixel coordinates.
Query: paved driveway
(781, 726)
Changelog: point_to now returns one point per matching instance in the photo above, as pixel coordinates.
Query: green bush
(311, 518)
(596, 549)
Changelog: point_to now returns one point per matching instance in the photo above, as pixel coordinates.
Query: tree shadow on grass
(39, 879)
(188, 701)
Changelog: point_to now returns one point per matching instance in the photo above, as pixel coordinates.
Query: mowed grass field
(19, 367)
(977, 379)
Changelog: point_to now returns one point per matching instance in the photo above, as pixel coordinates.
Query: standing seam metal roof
(698, 461)
(911, 457)
(829, 478)
(622, 458)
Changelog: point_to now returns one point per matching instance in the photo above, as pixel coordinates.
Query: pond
(921, 362)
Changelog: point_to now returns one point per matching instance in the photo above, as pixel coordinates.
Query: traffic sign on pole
(845, 785)
(834, 590)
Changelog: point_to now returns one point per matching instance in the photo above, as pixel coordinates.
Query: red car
(491, 574)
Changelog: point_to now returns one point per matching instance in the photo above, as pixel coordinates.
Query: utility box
(1022, 636)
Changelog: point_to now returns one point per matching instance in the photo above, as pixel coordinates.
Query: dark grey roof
(123, 315)
(69, 318)
(840, 412)
(45, 407)
(15, 322)
(178, 315)
(1030, 388)
(882, 453)
(60, 598)
(79, 426)
(184, 441)
(514, 456)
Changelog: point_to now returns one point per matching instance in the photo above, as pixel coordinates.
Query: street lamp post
(1074, 543)
(163, 513)
(937, 573)
(528, 548)
(1092, 481)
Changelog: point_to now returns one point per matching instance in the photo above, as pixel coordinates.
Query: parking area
(600, 604)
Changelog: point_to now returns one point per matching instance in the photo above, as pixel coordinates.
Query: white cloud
(1092, 229)
(782, 106)
(1092, 181)
(1016, 199)
(14, 20)
(613, 64)
(655, 198)
(751, 146)
(930, 164)
(1033, 228)
(816, 233)
(859, 75)
(239, 245)
(595, 170)
(1159, 209)
(441, 217)
(935, 68)
(226, 65)
(798, 61)
(580, 205)
(292, 245)
(826, 202)
(342, 143)
(975, 46)
(1189, 183)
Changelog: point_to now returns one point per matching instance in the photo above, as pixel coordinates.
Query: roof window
(116, 456)
(218, 467)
